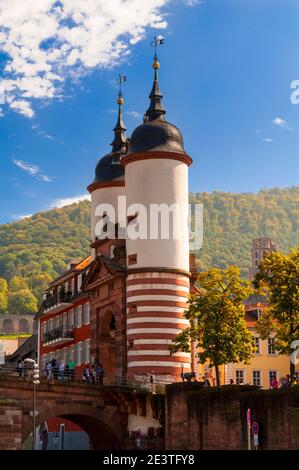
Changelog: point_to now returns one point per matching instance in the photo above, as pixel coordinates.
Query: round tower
(109, 181)
(156, 169)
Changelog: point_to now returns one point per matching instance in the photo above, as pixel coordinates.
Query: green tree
(17, 283)
(22, 302)
(278, 278)
(217, 320)
(3, 295)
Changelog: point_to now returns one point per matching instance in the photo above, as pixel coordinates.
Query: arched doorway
(99, 431)
(107, 353)
(8, 326)
(23, 326)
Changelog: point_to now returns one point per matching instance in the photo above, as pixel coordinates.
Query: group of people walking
(60, 370)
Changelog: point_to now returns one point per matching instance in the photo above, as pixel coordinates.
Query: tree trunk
(292, 370)
(217, 376)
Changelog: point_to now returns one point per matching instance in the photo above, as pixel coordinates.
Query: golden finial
(120, 80)
(156, 64)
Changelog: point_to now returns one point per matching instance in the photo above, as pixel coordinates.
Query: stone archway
(8, 325)
(24, 326)
(107, 352)
(105, 429)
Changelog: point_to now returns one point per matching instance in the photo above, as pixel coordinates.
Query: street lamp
(35, 381)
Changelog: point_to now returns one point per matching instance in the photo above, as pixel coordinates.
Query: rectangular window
(79, 282)
(271, 342)
(78, 315)
(239, 376)
(132, 259)
(71, 319)
(257, 345)
(87, 358)
(79, 353)
(72, 353)
(256, 378)
(87, 313)
(83, 351)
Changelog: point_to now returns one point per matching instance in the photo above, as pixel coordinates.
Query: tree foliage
(3, 295)
(217, 319)
(278, 278)
(38, 248)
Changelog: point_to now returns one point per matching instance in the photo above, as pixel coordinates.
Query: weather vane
(158, 41)
(121, 79)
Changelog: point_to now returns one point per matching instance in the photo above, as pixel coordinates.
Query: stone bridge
(108, 414)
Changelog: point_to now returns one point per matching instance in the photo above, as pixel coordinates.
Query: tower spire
(119, 142)
(156, 109)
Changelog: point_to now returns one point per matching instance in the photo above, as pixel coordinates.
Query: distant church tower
(157, 281)
(259, 247)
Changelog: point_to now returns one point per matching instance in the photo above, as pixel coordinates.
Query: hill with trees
(35, 250)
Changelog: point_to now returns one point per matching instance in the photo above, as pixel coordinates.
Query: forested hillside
(35, 250)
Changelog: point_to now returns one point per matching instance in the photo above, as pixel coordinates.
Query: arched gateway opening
(92, 429)
(106, 348)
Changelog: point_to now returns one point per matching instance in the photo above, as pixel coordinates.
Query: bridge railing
(145, 383)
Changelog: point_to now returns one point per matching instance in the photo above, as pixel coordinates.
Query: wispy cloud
(192, 3)
(268, 140)
(49, 41)
(28, 167)
(58, 203)
(32, 170)
(134, 114)
(21, 217)
(278, 121)
(44, 134)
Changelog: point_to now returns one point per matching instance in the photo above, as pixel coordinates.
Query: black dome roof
(156, 135)
(106, 170)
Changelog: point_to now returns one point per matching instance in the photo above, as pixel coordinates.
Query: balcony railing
(56, 303)
(58, 335)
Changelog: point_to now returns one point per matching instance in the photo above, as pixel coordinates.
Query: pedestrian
(49, 370)
(72, 366)
(20, 367)
(86, 375)
(231, 381)
(206, 383)
(93, 374)
(100, 374)
(273, 383)
(153, 382)
(61, 370)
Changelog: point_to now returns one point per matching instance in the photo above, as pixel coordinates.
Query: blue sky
(226, 70)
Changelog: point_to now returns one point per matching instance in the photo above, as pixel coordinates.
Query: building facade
(123, 305)
(64, 320)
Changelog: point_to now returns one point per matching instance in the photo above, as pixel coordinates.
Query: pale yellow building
(265, 363)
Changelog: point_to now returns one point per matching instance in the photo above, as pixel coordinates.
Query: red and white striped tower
(156, 172)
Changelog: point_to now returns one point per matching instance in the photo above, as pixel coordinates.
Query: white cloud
(268, 140)
(28, 167)
(58, 203)
(47, 41)
(134, 114)
(32, 170)
(281, 123)
(20, 217)
(192, 3)
(45, 178)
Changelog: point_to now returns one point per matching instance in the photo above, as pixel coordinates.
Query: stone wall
(215, 419)
(10, 424)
